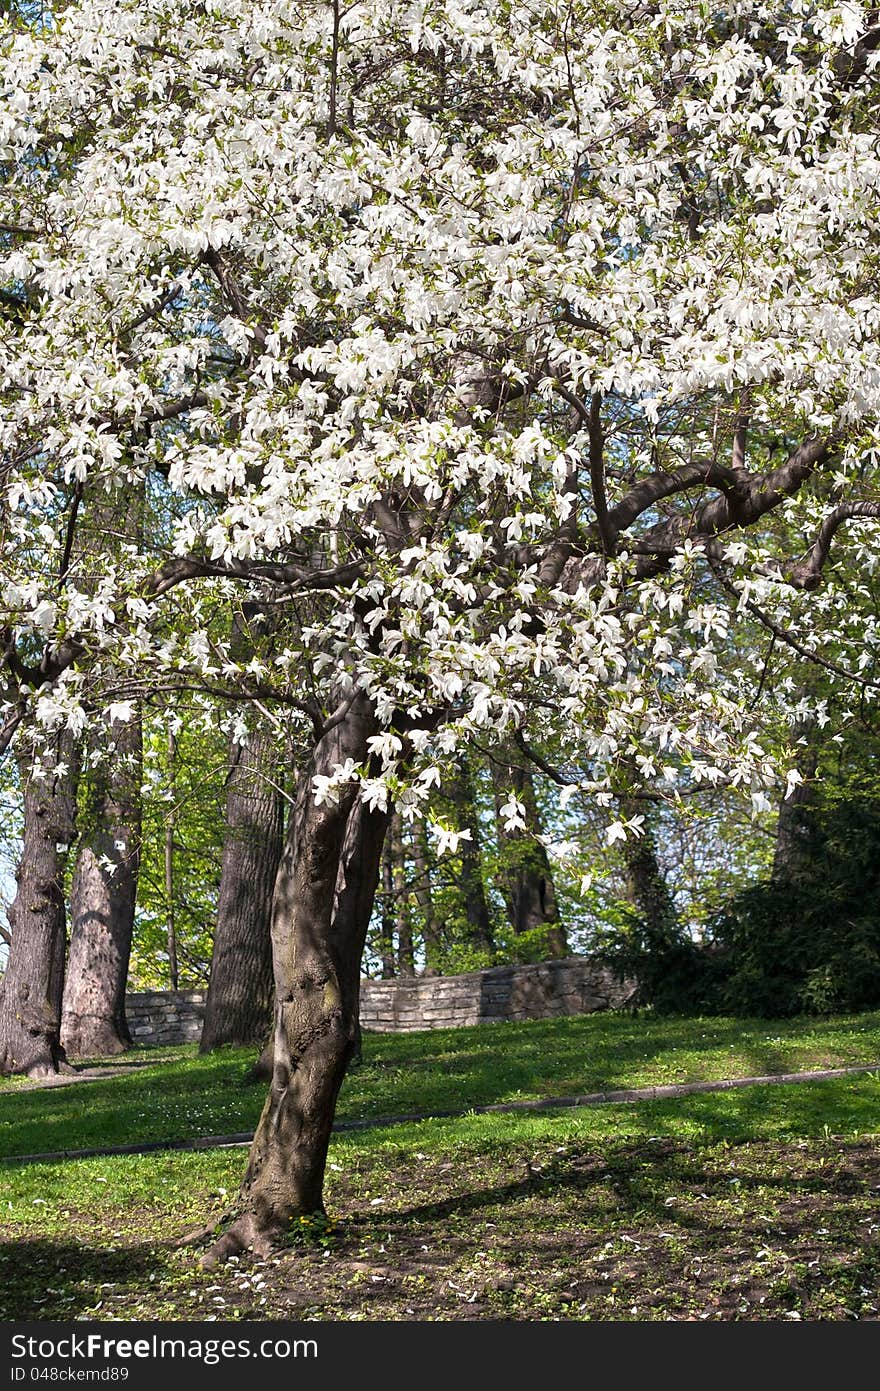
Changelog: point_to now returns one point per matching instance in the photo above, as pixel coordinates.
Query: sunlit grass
(181, 1095)
(753, 1203)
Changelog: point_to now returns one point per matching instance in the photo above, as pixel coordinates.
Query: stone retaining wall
(576, 985)
(166, 1016)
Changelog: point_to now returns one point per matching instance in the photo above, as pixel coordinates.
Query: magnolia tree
(498, 353)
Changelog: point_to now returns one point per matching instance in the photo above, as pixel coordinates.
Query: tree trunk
(240, 992)
(406, 965)
(170, 826)
(461, 792)
(386, 926)
(30, 999)
(432, 931)
(792, 851)
(102, 899)
(320, 913)
(527, 880)
(646, 886)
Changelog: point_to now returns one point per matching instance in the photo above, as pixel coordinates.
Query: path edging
(625, 1095)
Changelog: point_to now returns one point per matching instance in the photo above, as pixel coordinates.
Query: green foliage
(185, 790)
(810, 943)
(313, 1230)
(522, 948)
(675, 974)
(459, 954)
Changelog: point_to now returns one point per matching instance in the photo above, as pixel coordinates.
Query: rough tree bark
(526, 877)
(102, 899)
(646, 886)
(792, 850)
(386, 925)
(320, 913)
(30, 998)
(241, 987)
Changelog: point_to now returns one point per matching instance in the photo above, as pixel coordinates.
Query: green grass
(182, 1095)
(758, 1203)
(762, 1203)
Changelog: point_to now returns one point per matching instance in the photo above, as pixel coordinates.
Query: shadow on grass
(704, 1145)
(597, 1052)
(56, 1278)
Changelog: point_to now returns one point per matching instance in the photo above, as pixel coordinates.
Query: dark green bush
(809, 943)
(675, 975)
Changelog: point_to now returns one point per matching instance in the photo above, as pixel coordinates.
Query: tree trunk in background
(320, 914)
(431, 927)
(792, 852)
(646, 886)
(102, 898)
(527, 880)
(240, 991)
(31, 993)
(170, 827)
(386, 930)
(479, 923)
(406, 965)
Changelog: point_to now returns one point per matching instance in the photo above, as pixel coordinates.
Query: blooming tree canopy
(466, 332)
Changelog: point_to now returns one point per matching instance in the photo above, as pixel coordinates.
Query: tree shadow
(596, 1052)
(642, 1173)
(56, 1279)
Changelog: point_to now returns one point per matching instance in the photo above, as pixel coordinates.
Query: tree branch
(234, 294)
(538, 761)
(808, 574)
(75, 504)
(183, 568)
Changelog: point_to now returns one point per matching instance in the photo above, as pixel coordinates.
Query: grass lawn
(175, 1094)
(760, 1203)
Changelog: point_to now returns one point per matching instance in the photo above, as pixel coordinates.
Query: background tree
(33, 982)
(241, 987)
(102, 897)
(525, 871)
(187, 792)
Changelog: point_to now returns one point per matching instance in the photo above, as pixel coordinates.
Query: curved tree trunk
(102, 900)
(527, 880)
(241, 988)
(30, 999)
(321, 910)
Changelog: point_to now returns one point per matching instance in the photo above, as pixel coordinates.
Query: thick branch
(234, 294)
(741, 506)
(597, 474)
(12, 229)
(808, 574)
(657, 486)
(183, 568)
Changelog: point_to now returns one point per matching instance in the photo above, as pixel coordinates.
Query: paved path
(547, 1103)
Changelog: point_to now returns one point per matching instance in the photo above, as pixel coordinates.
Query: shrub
(810, 943)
